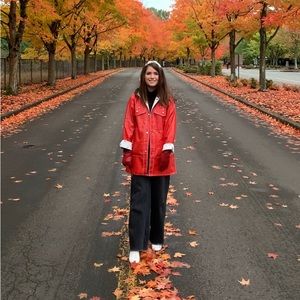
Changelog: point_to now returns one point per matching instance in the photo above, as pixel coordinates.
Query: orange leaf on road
(114, 269)
(178, 254)
(194, 244)
(272, 255)
(244, 282)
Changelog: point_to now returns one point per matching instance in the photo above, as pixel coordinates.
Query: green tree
(162, 14)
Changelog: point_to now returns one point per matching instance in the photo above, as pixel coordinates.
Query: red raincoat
(147, 133)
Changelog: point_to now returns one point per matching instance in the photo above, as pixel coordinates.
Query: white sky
(158, 4)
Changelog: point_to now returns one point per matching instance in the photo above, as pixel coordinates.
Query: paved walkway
(277, 76)
(237, 188)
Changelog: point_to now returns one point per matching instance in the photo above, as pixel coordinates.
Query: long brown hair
(162, 88)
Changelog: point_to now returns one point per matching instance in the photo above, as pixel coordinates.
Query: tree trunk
(188, 53)
(213, 61)
(120, 58)
(262, 50)
(13, 59)
(232, 55)
(51, 65)
(86, 60)
(296, 64)
(73, 63)
(14, 39)
(72, 47)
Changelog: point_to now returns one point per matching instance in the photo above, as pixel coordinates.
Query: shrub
(190, 69)
(205, 69)
(269, 84)
(227, 77)
(244, 82)
(236, 83)
(253, 83)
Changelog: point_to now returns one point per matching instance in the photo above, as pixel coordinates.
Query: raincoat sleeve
(128, 125)
(170, 127)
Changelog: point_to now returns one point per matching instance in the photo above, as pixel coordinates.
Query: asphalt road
(57, 174)
(277, 76)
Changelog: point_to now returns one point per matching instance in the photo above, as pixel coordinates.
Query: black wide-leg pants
(147, 210)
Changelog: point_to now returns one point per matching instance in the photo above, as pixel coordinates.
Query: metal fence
(36, 71)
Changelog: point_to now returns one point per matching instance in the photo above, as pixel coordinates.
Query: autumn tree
(185, 32)
(237, 15)
(13, 21)
(46, 23)
(101, 17)
(212, 22)
(72, 26)
(142, 35)
(291, 35)
(271, 15)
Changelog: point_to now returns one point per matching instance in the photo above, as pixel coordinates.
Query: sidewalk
(277, 76)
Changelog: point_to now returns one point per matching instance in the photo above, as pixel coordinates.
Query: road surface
(237, 187)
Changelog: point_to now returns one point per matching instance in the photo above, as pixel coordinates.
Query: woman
(148, 154)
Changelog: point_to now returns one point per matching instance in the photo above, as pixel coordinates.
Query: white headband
(153, 62)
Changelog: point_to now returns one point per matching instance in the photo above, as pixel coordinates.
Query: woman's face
(151, 77)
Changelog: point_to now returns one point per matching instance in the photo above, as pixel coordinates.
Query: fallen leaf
(272, 255)
(244, 281)
(233, 206)
(14, 199)
(135, 297)
(216, 167)
(192, 232)
(114, 269)
(172, 201)
(118, 292)
(98, 265)
(82, 295)
(111, 233)
(178, 254)
(59, 186)
(194, 244)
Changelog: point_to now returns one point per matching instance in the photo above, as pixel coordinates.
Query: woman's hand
(165, 159)
(126, 160)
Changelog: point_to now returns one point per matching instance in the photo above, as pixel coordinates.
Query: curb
(276, 116)
(30, 105)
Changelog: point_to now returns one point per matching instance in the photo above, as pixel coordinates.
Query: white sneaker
(156, 247)
(134, 256)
